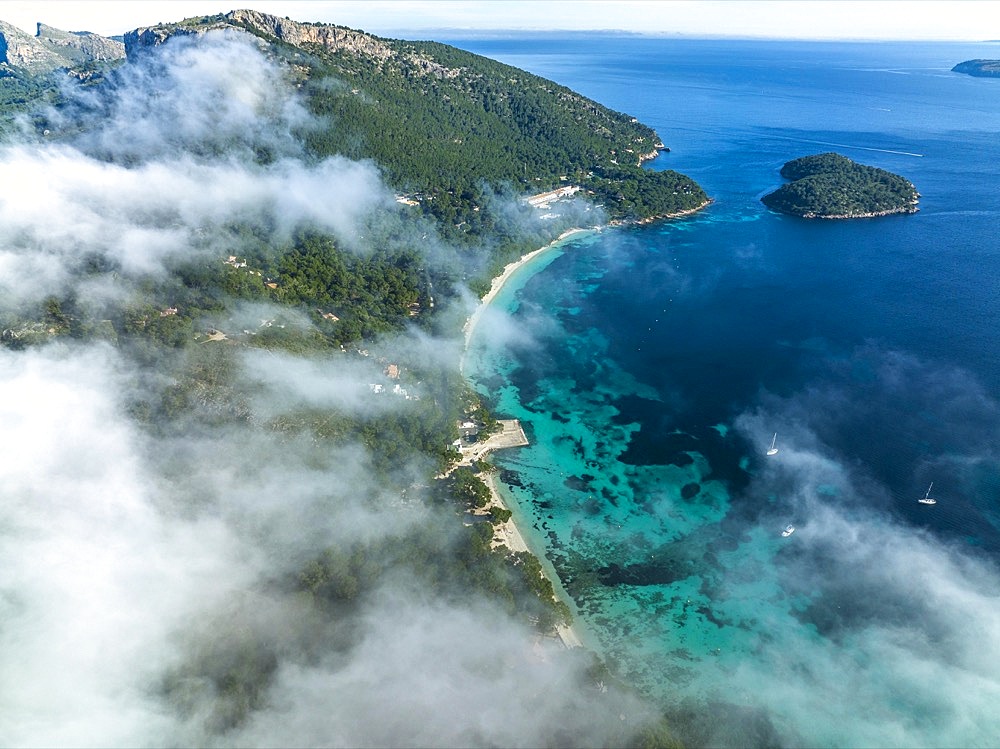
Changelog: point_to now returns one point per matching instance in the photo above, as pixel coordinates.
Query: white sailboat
(772, 450)
(789, 530)
(927, 499)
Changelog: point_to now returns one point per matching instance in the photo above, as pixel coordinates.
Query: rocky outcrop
(83, 46)
(20, 49)
(329, 37)
(144, 38)
(306, 36)
(52, 49)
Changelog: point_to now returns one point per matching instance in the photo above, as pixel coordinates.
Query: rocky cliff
(81, 46)
(145, 37)
(19, 49)
(319, 36)
(326, 36)
(52, 49)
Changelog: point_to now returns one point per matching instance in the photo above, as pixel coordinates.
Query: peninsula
(829, 185)
(320, 200)
(979, 68)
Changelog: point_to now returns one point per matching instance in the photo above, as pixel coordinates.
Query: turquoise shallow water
(650, 367)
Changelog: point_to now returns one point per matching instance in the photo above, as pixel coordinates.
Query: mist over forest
(214, 532)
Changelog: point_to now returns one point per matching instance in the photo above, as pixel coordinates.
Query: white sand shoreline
(498, 282)
(507, 534)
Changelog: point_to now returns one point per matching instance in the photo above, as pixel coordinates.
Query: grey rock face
(83, 46)
(52, 48)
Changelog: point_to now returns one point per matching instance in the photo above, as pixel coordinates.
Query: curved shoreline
(498, 283)
(508, 534)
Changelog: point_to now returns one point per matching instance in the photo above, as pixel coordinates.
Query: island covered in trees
(979, 68)
(829, 185)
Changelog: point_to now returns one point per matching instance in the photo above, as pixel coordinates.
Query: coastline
(507, 534)
(510, 269)
(498, 283)
(665, 216)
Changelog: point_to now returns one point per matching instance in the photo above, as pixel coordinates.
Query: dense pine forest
(829, 185)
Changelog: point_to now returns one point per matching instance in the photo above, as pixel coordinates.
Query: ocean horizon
(652, 366)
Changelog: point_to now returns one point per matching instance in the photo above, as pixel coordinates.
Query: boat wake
(858, 148)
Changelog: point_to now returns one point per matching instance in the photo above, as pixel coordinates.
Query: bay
(652, 365)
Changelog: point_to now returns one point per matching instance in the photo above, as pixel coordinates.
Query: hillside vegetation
(829, 185)
(280, 286)
(450, 127)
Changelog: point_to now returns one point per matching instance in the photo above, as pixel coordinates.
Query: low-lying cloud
(892, 639)
(207, 95)
(141, 569)
(60, 206)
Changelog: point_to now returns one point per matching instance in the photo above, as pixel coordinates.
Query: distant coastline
(979, 68)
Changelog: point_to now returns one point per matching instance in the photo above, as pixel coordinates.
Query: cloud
(208, 94)
(125, 573)
(886, 631)
(139, 573)
(93, 578)
(441, 675)
(154, 168)
(61, 208)
(151, 574)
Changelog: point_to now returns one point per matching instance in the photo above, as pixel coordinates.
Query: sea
(652, 367)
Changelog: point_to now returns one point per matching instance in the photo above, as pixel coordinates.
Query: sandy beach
(507, 534)
(498, 282)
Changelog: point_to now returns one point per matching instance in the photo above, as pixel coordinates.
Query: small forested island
(979, 68)
(829, 185)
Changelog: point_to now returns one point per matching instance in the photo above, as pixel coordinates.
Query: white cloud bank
(145, 594)
(887, 634)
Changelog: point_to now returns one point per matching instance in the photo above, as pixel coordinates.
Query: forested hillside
(451, 128)
(238, 264)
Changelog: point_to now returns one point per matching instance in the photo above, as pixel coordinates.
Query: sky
(962, 20)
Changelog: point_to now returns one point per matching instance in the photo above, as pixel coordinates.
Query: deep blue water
(652, 365)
